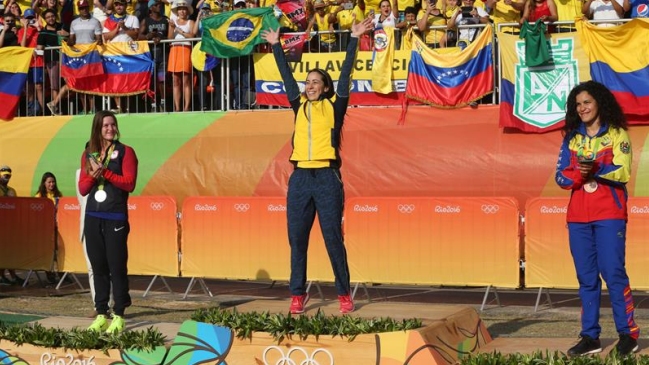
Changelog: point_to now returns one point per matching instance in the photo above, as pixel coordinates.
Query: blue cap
(206, 6)
(153, 2)
(29, 13)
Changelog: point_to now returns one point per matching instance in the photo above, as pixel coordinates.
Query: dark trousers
(311, 191)
(598, 248)
(108, 254)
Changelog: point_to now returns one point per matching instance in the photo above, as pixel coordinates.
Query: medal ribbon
(102, 180)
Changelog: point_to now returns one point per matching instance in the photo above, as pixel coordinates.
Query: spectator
(506, 11)
(210, 96)
(40, 6)
(240, 69)
(190, 4)
(448, 9)
(605, 10)
(475, 15)
(49, 37)
(155, 28)
(102, 9)
(180, 64)
(28, 37)
(141, 9)
(49, 189)
(543, 10)
(83, 30)
(346, 15)
(388, 14)
(429, 16)
(6, 190)
(120, 27)
(15, 9)
(8, 37)
(323, 21)
(568, 10)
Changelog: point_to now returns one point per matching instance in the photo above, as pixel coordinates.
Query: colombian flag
(14, 64)
(127, 66)
(619, 59)
(382, 59)
(234, 34)
(451, 80)
(82, 60)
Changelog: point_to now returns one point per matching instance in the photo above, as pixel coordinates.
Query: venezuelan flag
(83, 60)
(619, 59)
(14, 64)
(128, 67)
(451, 80)
(235, 34)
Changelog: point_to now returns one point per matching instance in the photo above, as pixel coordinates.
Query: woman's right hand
(271, 36)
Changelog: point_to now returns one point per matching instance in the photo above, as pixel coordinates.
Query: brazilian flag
(235, 33)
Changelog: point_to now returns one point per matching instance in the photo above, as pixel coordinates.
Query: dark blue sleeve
(292, 90)
(346, 70)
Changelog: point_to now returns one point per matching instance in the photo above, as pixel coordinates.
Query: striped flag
(14, 64)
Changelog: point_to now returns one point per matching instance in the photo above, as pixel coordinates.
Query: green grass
(11, 319)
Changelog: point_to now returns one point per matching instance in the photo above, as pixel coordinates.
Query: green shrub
(80, 339)
(285, 325)
(548, 358)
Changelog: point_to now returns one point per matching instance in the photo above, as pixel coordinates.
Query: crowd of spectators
(172, 25)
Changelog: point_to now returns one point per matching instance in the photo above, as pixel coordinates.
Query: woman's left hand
(359, 28)
(96, 169)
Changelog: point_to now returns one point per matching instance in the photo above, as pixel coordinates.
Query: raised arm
(292, 90)
(346, 70)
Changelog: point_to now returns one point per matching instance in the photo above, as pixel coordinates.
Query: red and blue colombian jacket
(611, 171)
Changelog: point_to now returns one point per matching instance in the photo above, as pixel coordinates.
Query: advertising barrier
(434, 241)
(70, 255)
(548, 262)
(244, 238)
(27, 238)
(152, 242)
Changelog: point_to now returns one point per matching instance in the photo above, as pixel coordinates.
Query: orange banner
(70, 256)
(27, 237)
(433, 241)
(152, 243)
(548, 262)
(243, 238)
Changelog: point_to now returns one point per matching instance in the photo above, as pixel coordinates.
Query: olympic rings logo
(406, 208)
(157, 205)
(287, 359)
(37, 206)
(241, 207)
(490, 209)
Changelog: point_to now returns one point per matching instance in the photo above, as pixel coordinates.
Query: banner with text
(434, 241)
(27, 237)
(548, 262)
(270, 87)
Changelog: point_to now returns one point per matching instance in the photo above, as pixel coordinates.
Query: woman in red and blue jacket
(595, 164)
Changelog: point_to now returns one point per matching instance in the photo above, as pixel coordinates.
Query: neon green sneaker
(99, 324)
(117, 325)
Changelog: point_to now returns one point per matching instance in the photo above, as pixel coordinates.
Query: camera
(466, 11)
(32, 21)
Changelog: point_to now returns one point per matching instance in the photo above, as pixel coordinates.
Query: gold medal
(100, 196)
(590, 186)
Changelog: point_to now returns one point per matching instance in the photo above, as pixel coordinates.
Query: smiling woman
(108, 175)
(316, 184)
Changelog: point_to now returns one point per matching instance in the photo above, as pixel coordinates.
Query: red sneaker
(298, 302)
(346, 304)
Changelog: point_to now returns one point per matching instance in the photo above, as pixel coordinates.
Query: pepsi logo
(240, 30)
(642, 10)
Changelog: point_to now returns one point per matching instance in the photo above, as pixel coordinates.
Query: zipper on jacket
(309, 145)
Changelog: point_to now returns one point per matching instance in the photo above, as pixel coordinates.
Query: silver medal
(100, 196)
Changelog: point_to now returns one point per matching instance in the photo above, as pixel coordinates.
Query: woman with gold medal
(595, 164)
(108, 175)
